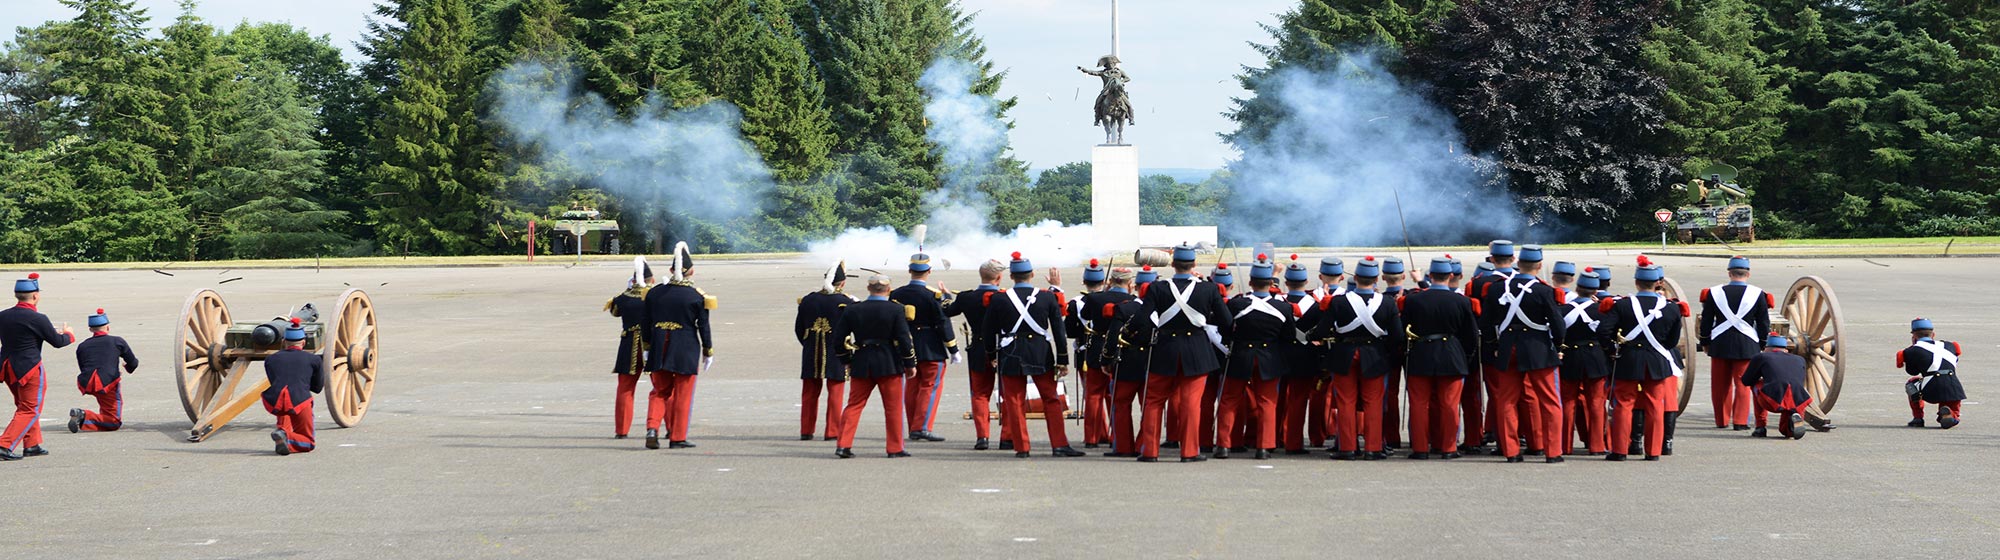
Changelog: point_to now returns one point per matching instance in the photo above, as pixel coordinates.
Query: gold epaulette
(800, 301)
(909, 313)
(709, 302)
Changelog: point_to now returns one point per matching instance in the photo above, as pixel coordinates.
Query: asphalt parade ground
(490, 436)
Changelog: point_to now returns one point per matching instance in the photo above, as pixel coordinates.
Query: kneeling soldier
(294, 375)
(1779, 380)
(98, 359)
(1933, 368)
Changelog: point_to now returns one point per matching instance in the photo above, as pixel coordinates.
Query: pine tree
(1556, 92)
(750, 53)
(103, 70)
(200, 84)
(433, 173)
(268, 165)
(632, 49)
(1721, 103)
(1317, 35)
(335, 92)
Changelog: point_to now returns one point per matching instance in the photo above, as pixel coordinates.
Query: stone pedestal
(1114, 195)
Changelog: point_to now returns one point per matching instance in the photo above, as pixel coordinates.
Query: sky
(1182, 56)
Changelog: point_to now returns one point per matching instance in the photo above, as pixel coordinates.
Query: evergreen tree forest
(134, 136)
(1847, 118)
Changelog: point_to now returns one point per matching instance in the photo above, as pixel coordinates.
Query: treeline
(260, 141)
(1847, 118)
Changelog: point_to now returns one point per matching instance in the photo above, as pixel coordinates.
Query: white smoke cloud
(693, 162)
(969, 137)
(1352, 140)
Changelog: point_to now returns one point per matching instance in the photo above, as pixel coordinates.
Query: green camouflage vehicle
(1721, 209)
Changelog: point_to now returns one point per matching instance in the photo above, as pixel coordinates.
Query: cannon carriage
(214, 354)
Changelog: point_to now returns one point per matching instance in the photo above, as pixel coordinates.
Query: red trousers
(1765, 406)
(1261, 396)
(1646, 395)
(836, 393)
(1354, 395)
(1542, 404)
(1583, 413)
(1392, 408)
(892, 409)
(25, 429)
(1211, 392)
(1726, 390)
(621, 404)
(1302, 407)
(1185, 392)
(1096, 406)
(1319, 424)
(1124, 394)
(669, 403)
(920, 396)
(1917, 408)
(111, 408)
(984, 383)
(1472, 406)
(1014, 408)
(1434, 403)
(296, 420)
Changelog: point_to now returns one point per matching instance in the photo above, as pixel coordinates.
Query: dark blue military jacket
(23, 330)
(1180, 347)
(295, 374)
(819, 352)
(875, 339)
(679, 336)
(1022, 351)
(930, 328)
(630, 309)
(97, 359)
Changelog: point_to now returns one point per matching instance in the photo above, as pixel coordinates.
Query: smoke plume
(968, 136)
(1352, 140)
(693, 163)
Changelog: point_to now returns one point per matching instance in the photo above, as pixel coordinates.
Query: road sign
(1663, 215)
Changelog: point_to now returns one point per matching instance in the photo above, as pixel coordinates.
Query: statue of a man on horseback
(1114, 108)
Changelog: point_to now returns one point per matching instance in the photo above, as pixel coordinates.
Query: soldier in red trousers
(23, 331)
(98, 358)
(1734, 318)
(295, 375)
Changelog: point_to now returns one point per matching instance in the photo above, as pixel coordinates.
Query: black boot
(652, 439)
(1170, 445)
(1067, 452)
(1419, 456)
(1759, 432)
(1221, 453)
(282, 447)
(979, 445)
(1516, 459)
(1740, 427)
(1915, 423)
(75, 420)
(1194, 459)
(1263, 454)
(899, 454)
(683, 444)
(35, 451)
(802, 437)
(9, 455)
(843, 453)
(1667, 444)
(1614, 456)
(1020, 454)
(1006, 445)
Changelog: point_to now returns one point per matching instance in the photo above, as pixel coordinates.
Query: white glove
(958, 357)
(708, 362)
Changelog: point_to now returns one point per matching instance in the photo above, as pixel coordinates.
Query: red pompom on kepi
(1222, 266)
(1263, 257)
(295, 321)
(34, 276)
(1295, 256)
(1093, 262)
(100, 311)
(1017, 255)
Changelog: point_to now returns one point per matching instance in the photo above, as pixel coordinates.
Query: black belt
(1590, 344)
(1434, 338)
(1523, 329)
(1355, 340)
(1255, 345)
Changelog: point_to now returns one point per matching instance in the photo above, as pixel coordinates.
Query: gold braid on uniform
(820, 328)
(638, 349)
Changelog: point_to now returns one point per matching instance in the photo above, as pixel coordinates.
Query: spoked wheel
(1687, 344)
(198, 351)
(1813, 315)
(352, 346)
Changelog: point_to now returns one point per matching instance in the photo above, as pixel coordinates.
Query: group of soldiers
(102, 361)
(1500, 361)
(665, 333)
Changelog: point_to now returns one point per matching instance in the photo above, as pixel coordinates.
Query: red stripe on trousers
(918, 401)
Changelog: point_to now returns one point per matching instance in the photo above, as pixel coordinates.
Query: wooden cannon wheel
(1687, 343)
(1815, 324)
(198, 348)
(353, 344)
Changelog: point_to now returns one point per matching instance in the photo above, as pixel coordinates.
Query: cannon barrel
(269, 334)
